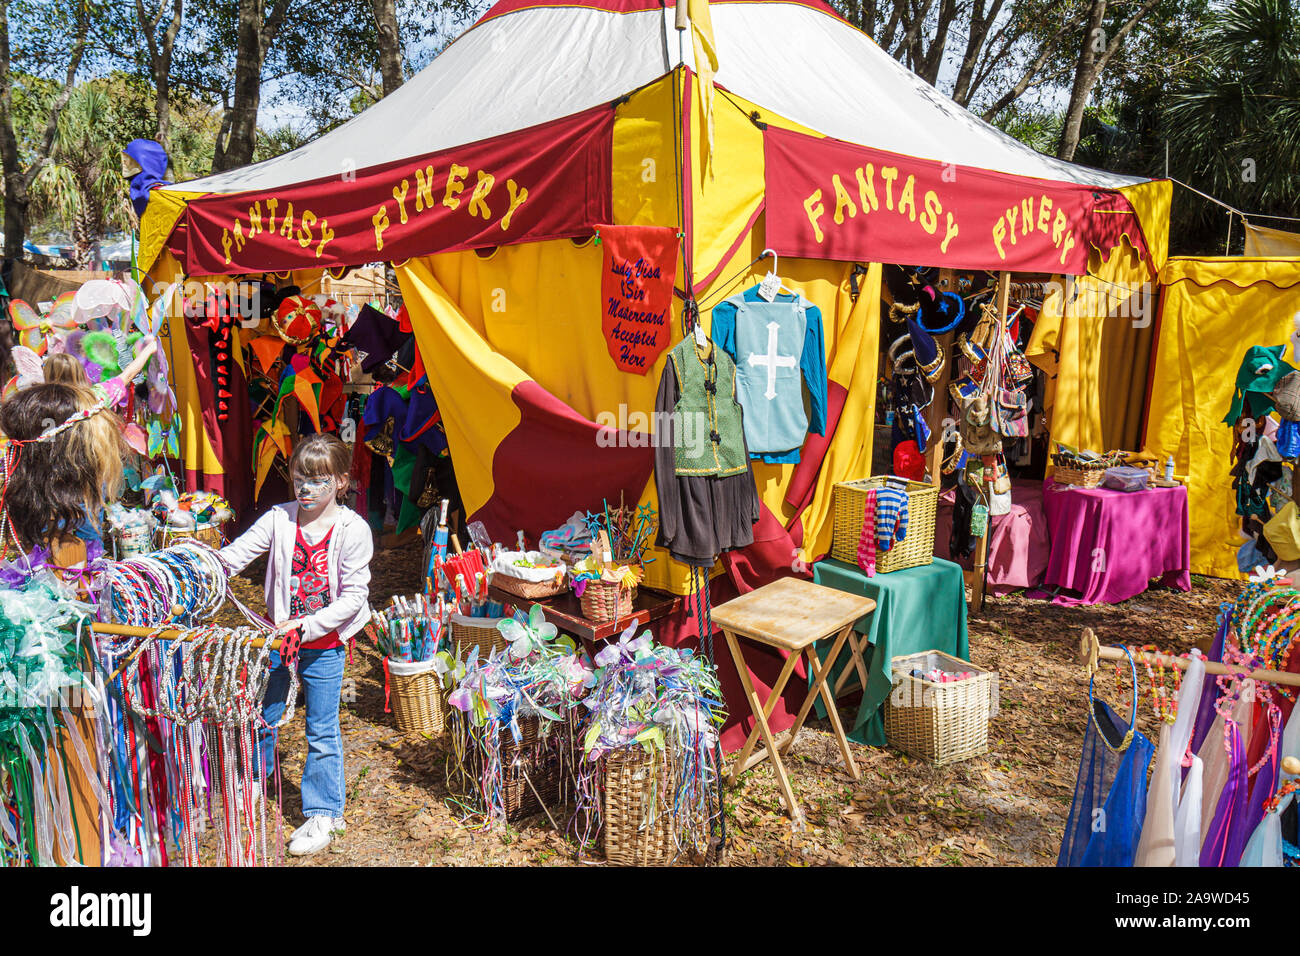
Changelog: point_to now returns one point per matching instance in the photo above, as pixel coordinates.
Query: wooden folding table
(791, 615)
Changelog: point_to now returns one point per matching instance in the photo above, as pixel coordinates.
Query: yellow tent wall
(1212, 310)
(1093, 339)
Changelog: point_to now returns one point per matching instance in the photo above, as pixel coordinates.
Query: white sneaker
(337, 826)
(312, 837)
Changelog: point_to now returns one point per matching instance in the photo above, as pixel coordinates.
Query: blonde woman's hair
(59, 484)
(321, 456)
(64, 369)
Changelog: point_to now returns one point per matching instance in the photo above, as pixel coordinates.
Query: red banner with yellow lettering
(828, 199)
(636, 293)
(546, 182)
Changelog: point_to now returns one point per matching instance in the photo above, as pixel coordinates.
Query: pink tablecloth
(1107, 546)
(1018, 544)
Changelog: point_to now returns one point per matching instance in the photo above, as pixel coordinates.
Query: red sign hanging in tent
(828, 199)
(546, 182)
(636, 293)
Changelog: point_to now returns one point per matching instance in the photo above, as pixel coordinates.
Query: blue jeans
(321, 673)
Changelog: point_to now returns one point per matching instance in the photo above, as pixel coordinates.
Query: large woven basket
(417, 697)
(941, 723)
(528, 590)
(638, 806)
(481, 632)
(209, 534)
(607, 601)
(535, 760)
(913, 551)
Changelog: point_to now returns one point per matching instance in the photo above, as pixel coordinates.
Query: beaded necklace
(1291, 786)
(1164, 704)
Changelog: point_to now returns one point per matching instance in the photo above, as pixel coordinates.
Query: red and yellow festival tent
(764, 125)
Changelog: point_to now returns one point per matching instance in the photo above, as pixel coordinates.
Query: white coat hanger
(776, 271)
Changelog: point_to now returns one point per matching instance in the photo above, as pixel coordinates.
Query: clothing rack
(1091, 652)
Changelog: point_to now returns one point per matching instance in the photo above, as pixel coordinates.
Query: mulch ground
(1005, 808)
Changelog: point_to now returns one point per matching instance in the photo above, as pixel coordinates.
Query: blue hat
(929, 356)
(942, 312)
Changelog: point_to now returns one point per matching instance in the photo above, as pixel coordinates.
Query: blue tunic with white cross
(778, 349)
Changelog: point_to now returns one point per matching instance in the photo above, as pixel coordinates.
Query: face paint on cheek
(311, 492)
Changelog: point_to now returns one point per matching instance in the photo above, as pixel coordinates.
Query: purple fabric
(1265, 780)
(1210, 688)
(376, 334)
(420, 411)
(1018, 542)
(1108, 545)
(1228, 834)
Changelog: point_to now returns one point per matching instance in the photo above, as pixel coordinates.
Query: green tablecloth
(918, 609)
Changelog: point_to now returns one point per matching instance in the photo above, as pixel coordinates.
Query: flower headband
(54, 430)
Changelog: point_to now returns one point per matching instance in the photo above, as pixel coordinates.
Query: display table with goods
(586, 578)
(916, 609)
(792, 616)
(1108, 545)
(564, 610)
(1018, 542)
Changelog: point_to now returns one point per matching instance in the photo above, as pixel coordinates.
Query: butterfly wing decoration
(61, 318)
(29, 366)
(100, 298)
(160, 308)
(27, 323)
(162, 400)
(173, 441)
(135, 437)
(154, 439)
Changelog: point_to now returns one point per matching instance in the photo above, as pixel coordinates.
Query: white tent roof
(524, 65)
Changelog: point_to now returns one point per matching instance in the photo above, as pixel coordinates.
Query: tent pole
(682, 21)
(981, 561)
(938, 409)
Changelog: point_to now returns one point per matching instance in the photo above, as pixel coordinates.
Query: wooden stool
(791, 615)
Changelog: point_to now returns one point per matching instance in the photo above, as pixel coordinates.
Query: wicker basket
(417, 696)
(209, 534)
(1085, 476)
(528, 590)
(913, 551)
(941, 723)
(606, 600)
(532, 760)
(467, 632)
(638, 806)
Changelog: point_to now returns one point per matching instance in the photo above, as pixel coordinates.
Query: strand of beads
(1164, 704)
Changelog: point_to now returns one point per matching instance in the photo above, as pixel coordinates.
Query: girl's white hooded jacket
(348, 556)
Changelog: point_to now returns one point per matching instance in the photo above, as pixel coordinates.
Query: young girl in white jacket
(317, 589)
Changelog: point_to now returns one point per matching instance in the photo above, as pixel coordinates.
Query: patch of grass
(356, 784)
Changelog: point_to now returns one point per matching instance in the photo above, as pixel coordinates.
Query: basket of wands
(517, 778)
(606, 581)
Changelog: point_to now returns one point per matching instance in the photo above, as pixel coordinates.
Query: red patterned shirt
(309, 588)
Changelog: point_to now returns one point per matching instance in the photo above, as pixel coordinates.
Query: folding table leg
(743, 760)
(820, 673)
(761, 712)
(856, 643)
(818, 684)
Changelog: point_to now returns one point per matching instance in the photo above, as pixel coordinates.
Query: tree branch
(60, 101)
(1023, 84)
